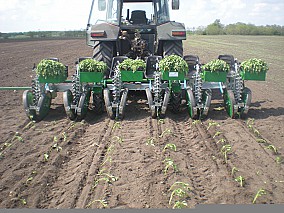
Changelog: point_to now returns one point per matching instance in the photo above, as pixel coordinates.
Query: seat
(115, 61)
(191, 61)
(151, 65)
(229, 59)
(138, 17)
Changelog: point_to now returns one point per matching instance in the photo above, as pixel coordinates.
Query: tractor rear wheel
(172, 48)
(104, 51)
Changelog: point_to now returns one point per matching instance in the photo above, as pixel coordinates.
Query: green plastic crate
(91, 77)
(173, 76)
(130, 76)
(59, 79)
(253, 76)
(214, 76)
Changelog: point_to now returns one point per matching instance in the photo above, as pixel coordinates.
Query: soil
(57, 163)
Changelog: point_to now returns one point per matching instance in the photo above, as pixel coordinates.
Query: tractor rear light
(178, 33)
(95, 34)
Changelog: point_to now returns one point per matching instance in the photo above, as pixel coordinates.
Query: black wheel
(98, 103)
(123, 104)
(43, 106)
(172, 48)
(246, 98)
(207, 96)
(104, 51)
(67, 101)
(191, 104)
(229, 101)
(176, 101)
(83, 106)
(27, 102)
(108, 106)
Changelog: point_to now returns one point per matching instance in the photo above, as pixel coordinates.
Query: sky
(35, 15)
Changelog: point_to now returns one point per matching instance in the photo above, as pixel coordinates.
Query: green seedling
(256, 132)
(118, 139)
(222, 140)
(106, 178)
(234, 170)
(240, 180)
(107, 160)
(117, 125)
(260, 140)
(250, 123)
(273, 148)
(178, 193)
(180, 184)
(259, 193)
(17, 137)
(161, 121)
(212, 123)
(169, 163)
(64, 135)
(195, 122)
(167, 131)
(150, 142)
(57, 147)
(170, 146)
(29, 125)
(110, 149)
(219, 108)
(224, 150)
(6, 145)
(180, 205)
(1, 155)
(217, 134)
(45, 157)
(102, 202)
(23, 201)
(278, 160)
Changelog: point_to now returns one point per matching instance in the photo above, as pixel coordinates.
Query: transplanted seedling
(180, 192)
(217, 134)
(234, 170)
(195, 122)
(170, 146)
(117, 125)
(259, 193)
(273, 148)
(118, 139)
(102, 202)
(169, 163)
(240, 180)
(278, 160)
(212, 123)
(106, 178)
(224, 150)
(180, 205)
(150, 142)
(167, 131)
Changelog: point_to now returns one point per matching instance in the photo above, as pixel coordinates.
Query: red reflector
(98, 34)
(178, 33)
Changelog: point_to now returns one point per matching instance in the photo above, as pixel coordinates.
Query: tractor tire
(172, 48)
(176, 102)
(104, 51)
(98, 103)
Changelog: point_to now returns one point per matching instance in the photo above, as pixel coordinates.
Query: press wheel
(27, 102)
(191, 104)
(67, 101)
(83, 106)
(43, 105)
(229, 100)
(109, 108)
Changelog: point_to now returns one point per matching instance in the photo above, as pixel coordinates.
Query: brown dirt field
(90, 150)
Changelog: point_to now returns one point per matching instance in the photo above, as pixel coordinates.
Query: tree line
(217, 28)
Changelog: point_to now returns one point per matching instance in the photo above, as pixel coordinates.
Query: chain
(76, 88)
(36, 90)
(116, 80)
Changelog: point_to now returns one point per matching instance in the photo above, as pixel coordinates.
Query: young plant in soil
(240, 180)
(167, 131)
(272, 148)
(180, 205)
(118, 139)
(217, 134)
(170, 146)
(169, 163)
(179, 190)
(102, 202)
(117, 125)
(212, 123)
(234, 170)
(150, 142)
(222, 140)
(278, 160)
(259, 193)
(224, 150)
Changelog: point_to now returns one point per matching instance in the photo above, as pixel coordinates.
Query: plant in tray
(173, 63)
(50, 69)
(132, 65)
(91, 65)
(216, 65)
(254, 65)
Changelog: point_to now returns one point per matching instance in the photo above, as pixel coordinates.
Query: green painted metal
(57, 79)
(173, 76)
(15, 88)
(91, 77)
(214, 76)
(253, 76)
(129, 76)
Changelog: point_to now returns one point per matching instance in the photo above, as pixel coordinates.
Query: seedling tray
(253, 76)
(214, 76)
(55, 79)
(173, 76)
(130, 76)
(91, 77)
